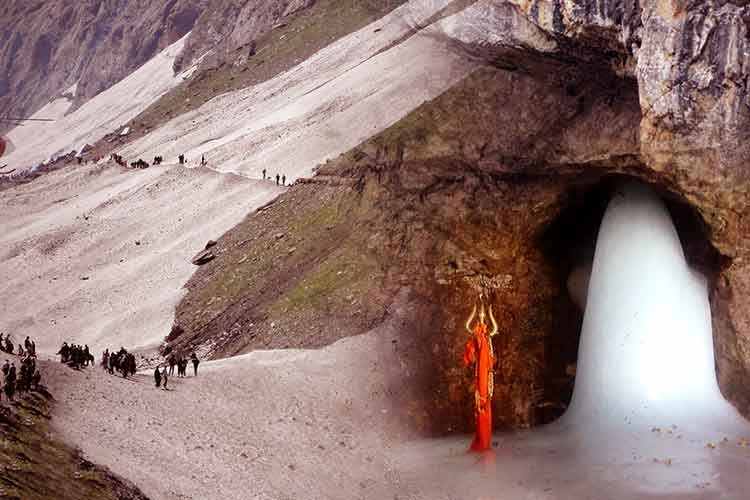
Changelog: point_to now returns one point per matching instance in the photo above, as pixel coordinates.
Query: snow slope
(333, 101)
(99, 254)
(36, 142)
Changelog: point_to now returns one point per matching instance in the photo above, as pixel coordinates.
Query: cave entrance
(569, 242)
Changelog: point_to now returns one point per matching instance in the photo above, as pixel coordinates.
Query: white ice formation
(646, 352)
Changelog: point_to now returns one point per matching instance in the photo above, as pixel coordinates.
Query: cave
(569, 242)
(539, 312)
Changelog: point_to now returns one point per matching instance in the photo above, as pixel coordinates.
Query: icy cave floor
(587, 462)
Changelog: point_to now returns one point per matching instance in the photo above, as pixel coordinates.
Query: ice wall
(646, 353)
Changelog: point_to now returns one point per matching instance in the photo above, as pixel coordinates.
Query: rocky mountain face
(505, 178)
(48, 46)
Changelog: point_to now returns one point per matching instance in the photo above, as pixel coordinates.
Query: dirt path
(272, 424)
(321, 425)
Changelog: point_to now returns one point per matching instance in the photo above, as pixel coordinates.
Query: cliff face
(48, 46)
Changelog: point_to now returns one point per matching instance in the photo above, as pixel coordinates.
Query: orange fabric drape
(478, 352)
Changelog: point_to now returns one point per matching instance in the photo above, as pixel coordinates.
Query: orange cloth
(478, 351)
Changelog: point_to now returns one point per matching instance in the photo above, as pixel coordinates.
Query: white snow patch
(72, 90)
(84, 223)
(326, 105)
(37, 141)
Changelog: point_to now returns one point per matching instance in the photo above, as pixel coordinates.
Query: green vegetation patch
(35, 466)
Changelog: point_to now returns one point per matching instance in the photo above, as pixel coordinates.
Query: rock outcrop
(51, 48)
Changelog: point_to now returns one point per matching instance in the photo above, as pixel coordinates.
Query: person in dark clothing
(171, 360)
(86, 355)
(264, 178)
(24, 379)
(36, 379)
(277, 179)
(10, 389)
(27, 344)
(195, 361)
(283, 180)
(157, 377)
(6, 369)
(64, 352)
(8, 344)
(203, 160)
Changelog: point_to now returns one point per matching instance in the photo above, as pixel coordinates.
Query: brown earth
(36, 465)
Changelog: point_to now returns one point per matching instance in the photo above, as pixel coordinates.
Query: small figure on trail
(10, 388)
(164, 377)
(105, 359)
(33, 348)
(8, 344)
(1, 340)
(181, 159)
(24, 379)
(64, 352)
(36, 379)
(277, 179)
(203, 161)
(283, 180)
(27, 344)
(129, 367)
(195, 361)
(157, 377)
(87, 355)
(20, 350)
(264, 178)
(6, 369)
(172, 361)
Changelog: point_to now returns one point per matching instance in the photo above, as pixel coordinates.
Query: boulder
(203, 257)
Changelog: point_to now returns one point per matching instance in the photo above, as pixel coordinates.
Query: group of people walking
(75, 356)
(6, 345)
(25, 379)
(281, 178)
(122, 362)
(161, 377)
